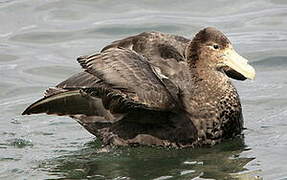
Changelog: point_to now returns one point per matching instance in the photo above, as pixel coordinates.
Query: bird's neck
(205, 75)
(207, 89)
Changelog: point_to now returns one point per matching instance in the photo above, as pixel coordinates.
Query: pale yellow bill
(238, 63)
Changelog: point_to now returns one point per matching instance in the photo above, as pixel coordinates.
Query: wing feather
(166, 52)
(141, 71)
(75, 82)
(128, 80)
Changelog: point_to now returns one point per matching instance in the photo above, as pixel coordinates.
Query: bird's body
(155, 89)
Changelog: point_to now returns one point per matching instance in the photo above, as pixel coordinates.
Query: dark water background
(40, 40)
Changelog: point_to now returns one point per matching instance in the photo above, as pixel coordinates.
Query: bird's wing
(75, 82)
(166, 52)
(128, 81)
(154, 44)
(68, 98)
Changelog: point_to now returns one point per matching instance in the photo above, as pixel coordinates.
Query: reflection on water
(40, 40)
(221, 162)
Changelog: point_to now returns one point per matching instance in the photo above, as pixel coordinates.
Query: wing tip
(34, 108)
(29, 110)
(26, 112)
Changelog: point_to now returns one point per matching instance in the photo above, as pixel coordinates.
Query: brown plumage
(155, 89)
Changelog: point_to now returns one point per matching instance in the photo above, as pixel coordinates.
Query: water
(40, 40)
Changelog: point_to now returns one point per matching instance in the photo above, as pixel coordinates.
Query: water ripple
(40, 40)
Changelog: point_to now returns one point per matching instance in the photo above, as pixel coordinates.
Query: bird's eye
(215, 46)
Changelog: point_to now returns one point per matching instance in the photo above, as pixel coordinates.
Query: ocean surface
(40, 41)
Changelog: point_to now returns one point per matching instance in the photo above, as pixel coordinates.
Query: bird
(155, 89)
